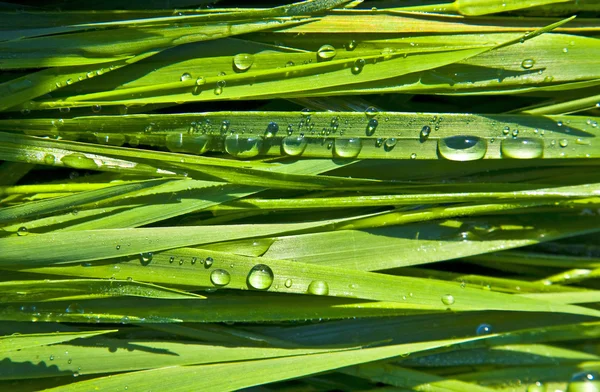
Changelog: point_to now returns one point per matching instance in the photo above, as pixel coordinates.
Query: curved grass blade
(27, 341)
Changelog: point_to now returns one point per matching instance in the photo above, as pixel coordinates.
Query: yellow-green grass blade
(218, 377)
(93, 47)
(436, 241)
(80, 289)
(191, 267)
(589, 296)
(371, 135)
(124, 355)
(479, 7)
(18, 342)
(411, 379)
(43, 207)
(539, 259)
(566, 107)
(219, 308)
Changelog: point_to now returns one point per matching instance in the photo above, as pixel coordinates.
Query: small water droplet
(347, 148)
(559, 123)
(294, 145)
(326, 52)
(389, 144)
(74, 308)
(484, 329)
(462, 148)
(522, 148)
(220, 277)
(185, 76)
(358, 66)
(288, 283)
(351, 45)
(272, 129)
(49, 159)
(118, 247)
(96, 108)
(208, 262)
(242, 62)
(528, 63)
(243, 147)
(371, 112)
(413, 156)
(149, 128)
(448, 299)
(506, 131)
(69, 81)
(318, 287)
(424, 135)
(52, 357)
(537, 386)
(563, 143)
(146, 258)
(372, 126)
(290, 64)
(260, 277)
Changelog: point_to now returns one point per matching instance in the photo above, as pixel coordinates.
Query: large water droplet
(326, 52)
(372, 126)
(79, 161)
(195, 144)
(49, 159)
(22, 231)
(243, 147)
(318, 287)
(563, 142)
(462, 148)
(347, 148)
(185, 76)
(260, 277)
(528, 63)
(522, 148)
(424, 135)
(294, 145)
(448, 299)
(272, 129)
(220, 277)
(389, 144)
(242, 62)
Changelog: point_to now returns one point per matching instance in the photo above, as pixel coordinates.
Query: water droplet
(243, 147)
(171, 259)
(528, 63)
(118, 247)
(559, 123)
(424, 135)
(242, 62)
(448, 299)
(288, 283)
(413, 156)
(347, 148)
(506, 131)
(52, 357)
(371, 112)
(219, 88)
(195, 144)
(484, 329)
(149, 128)
(294, 145)
(389, 144)
(208, 262)
(462, 148)
(49, 159)
(318, 287)
(260, 277)
(522, 148)
(70, 361)
(64, 110)
(185, 76)
(358, 66)
(69, 81)
(350, 46)
(290, 64)
(220, 277)
(563, 142)
(585, 381)
(96, 108)
(372, 126)
(79, 161)
(22, 231)
(146, 258)
(272, 129)
(326, 52)
(515, 132)
(194, 260)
